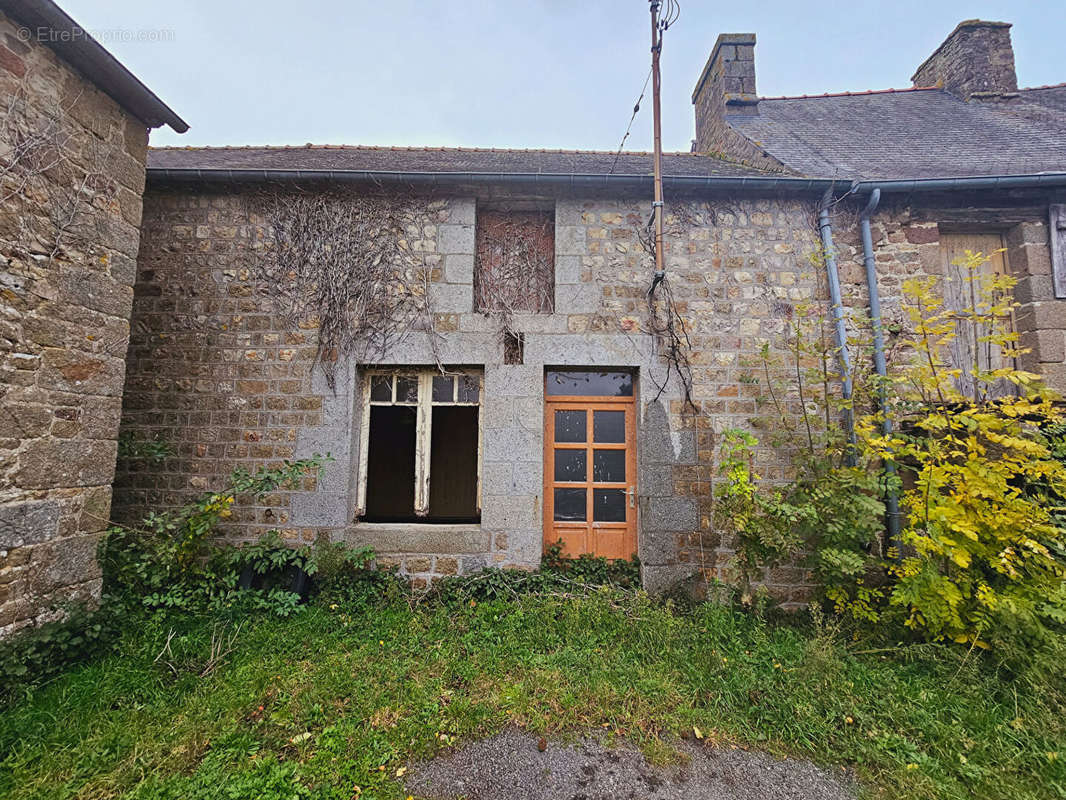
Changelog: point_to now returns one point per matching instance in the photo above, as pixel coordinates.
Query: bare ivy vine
(354, 266)
(45, 162)
(664, 321)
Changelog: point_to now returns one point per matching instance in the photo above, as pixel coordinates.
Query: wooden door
(590, 467)
(960, 294)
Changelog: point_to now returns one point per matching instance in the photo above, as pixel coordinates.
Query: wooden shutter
(1057, 229)
(958, 297)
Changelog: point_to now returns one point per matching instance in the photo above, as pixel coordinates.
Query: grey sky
(541, 73)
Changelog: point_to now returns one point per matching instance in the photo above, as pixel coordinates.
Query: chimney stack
(726, 86)
(975, 62)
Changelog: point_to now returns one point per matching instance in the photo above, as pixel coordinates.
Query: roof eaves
(76, 47)
(536, 179)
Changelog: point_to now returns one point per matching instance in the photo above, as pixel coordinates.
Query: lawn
(333, 702)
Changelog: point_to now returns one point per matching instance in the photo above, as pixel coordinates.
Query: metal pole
(657, 205)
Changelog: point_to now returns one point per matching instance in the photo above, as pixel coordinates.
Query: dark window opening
(422, 440)
(589, 383)
(514, 346)
(390, 470)
(453, 465)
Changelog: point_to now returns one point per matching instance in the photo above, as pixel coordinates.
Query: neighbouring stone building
(73, 141)
(585, 405)
(485, 442)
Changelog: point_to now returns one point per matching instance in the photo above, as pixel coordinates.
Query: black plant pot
(291, 579)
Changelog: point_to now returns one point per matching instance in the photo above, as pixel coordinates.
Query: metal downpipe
(825, 228)
(892, 517)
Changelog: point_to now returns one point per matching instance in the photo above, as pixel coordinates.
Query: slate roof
(1052, 97)
(895, 134)
(440, 159)
(911, 134)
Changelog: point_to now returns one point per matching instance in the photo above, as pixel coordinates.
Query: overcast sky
(512, 73)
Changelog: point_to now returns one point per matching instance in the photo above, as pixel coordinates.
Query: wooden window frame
(423, 425)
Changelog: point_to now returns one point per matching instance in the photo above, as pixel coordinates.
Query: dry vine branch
(31, 147)
(664, 321)
(45, 162)
(355, 266)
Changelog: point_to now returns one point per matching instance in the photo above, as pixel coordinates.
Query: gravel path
(510, 765)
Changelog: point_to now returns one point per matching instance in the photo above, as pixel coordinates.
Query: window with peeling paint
(420, 446)
(515, 263)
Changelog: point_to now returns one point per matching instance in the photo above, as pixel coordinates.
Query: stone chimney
(727, 86)
(975, 62)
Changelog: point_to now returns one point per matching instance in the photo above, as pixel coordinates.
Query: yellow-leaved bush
(983, 551)
(976, 454)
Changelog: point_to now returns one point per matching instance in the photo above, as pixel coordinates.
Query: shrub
(38, 653)
(557, 575)
(347, 576)
(159, 561)
(165, 563)
(983, 556)
(829, 521)
(983, 546)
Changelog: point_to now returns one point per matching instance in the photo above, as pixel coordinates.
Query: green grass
(321, 702)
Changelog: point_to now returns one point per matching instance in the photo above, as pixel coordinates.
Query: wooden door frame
(590, 404)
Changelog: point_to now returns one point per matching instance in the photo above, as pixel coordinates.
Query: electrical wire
(629, 127)
(671, 12)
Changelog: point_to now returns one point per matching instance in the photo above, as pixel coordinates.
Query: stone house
(73, 140)
(482, 441)
(577, 397)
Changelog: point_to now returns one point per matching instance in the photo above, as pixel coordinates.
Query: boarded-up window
(515, 261)
(961, 294)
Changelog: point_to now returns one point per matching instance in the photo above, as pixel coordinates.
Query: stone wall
(69, 215)
(215, 371)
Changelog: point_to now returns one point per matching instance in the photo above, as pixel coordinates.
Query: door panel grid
(590, 475)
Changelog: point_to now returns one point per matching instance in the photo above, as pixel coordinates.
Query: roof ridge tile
(1045, 86)
(852, 94)
(423, 149)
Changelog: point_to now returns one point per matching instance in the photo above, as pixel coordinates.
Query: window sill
(418, 537)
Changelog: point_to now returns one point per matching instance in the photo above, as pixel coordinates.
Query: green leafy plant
(978, 445)
(829, 521)
(36, 654)
(131, 448)
(166, 543)
(162, 560)
(348, 576)
(215, 584)
(586, 568)
(558, 575)
(984, 558)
